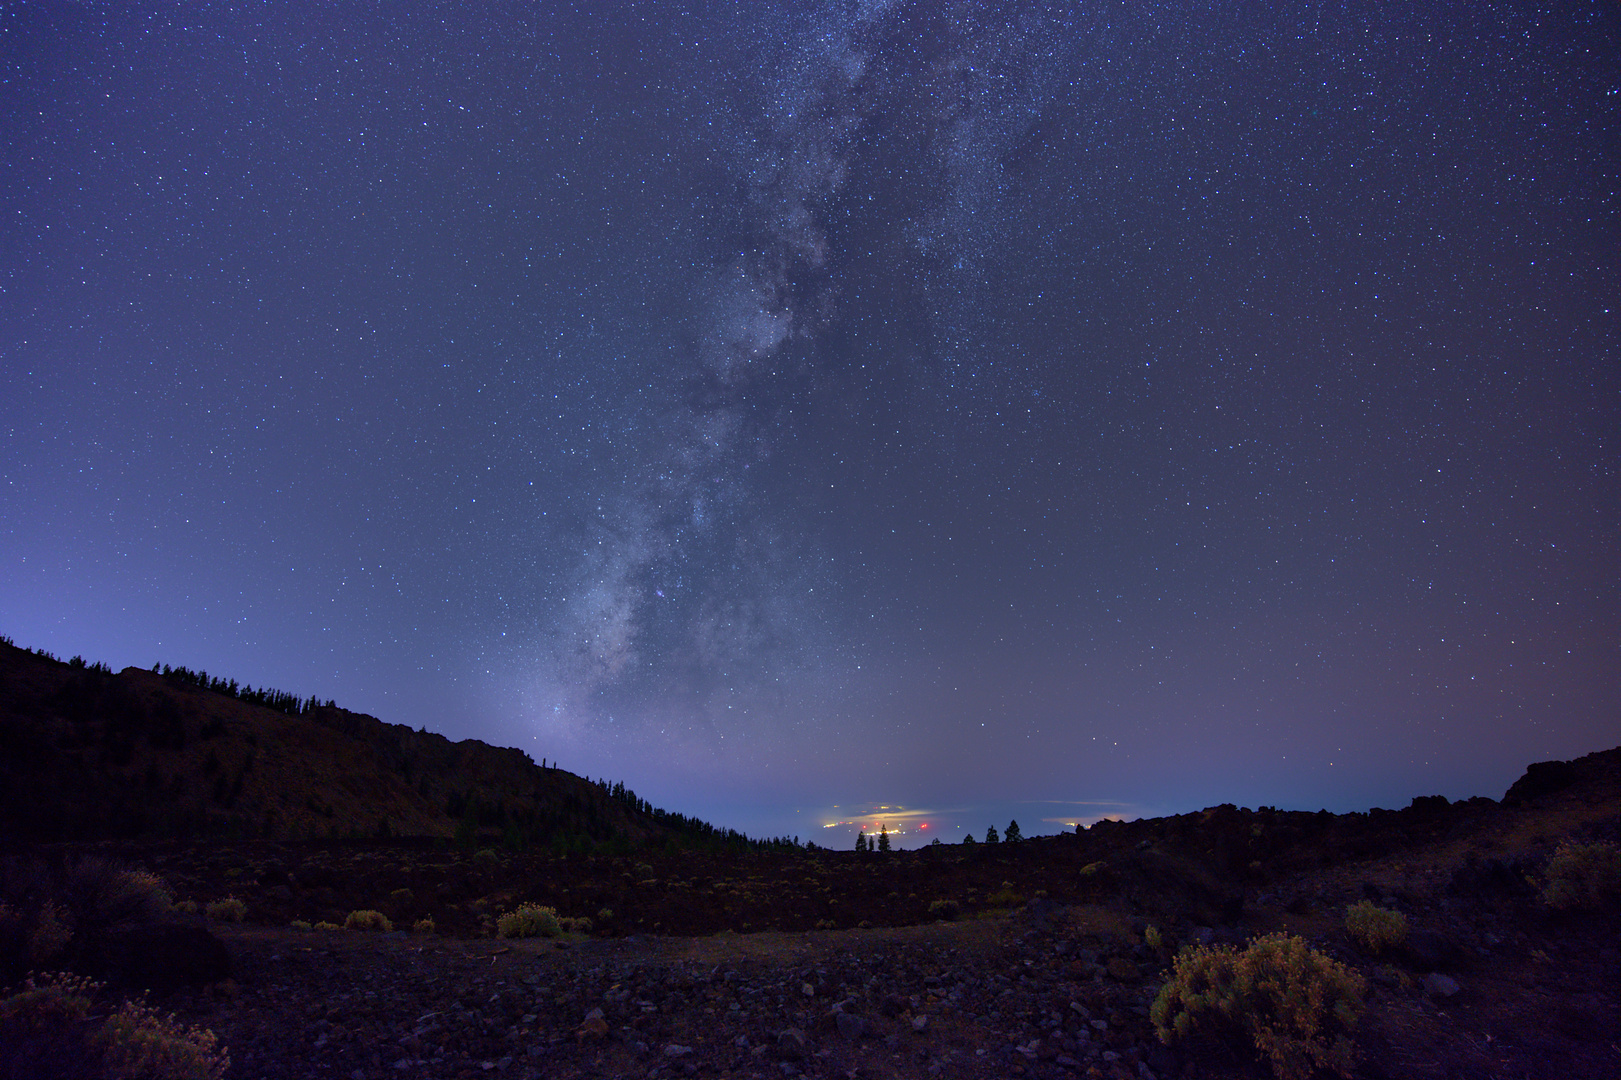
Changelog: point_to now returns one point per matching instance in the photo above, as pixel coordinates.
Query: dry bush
(368, 920)
(229, 909)
(1294, 1004)
(944, 909)
(1374, 928)
(529, 920)
(424, 925)
(1583, 876)
(138, 1042)
(49, 1030)
(324, 925)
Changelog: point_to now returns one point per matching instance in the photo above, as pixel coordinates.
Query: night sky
(979, 410)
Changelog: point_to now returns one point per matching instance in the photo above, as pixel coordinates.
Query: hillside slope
(87, 754)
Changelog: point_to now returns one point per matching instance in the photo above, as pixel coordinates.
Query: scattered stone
(1123, 970)
(1437, 985)
(851, 1026)
(792, 1044)
(675, 1050)
(920, 1023)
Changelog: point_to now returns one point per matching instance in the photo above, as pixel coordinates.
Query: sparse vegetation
(529, 920)
(944, 909)
(50, 1029)
(139, 1042)
(229, 909)
(1294, 1004)
(424, 926)
(367, 919)
(1374, 928)
(1583, 876)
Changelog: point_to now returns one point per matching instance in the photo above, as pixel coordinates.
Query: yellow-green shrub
(324, 925)
(300, 924)
(529, 920)
(49, 1023)
(139, 1042)
(424, 925)
(1583, 875)
(1375, 928)
(367, 919)
(1296, 1005)
(229, 909)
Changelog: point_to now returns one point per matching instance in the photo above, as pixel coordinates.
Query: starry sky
(817, 414)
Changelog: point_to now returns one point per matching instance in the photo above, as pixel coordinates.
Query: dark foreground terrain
(1034, 959)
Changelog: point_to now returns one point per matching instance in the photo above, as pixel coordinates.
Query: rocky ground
(1048, 990)
(1037, 960)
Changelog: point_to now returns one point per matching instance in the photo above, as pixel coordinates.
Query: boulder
(159, 957)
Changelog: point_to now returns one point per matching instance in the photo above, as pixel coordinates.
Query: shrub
(1004, 897)
(48, 1031)
(1583, 875)
(402, 896)
(229, 909)
(580, 925)
(1092, 869)
(1153, 938)
(366, 919)
(1296, 1005)
(1373, 928)
(944, 909)
(300, 925)
(529, 920)
(486, 858)
(324, 925)
(424, 925)
(101, 893)
(605, 915)
(139, 1042)
(187, 907)
(49, 934)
